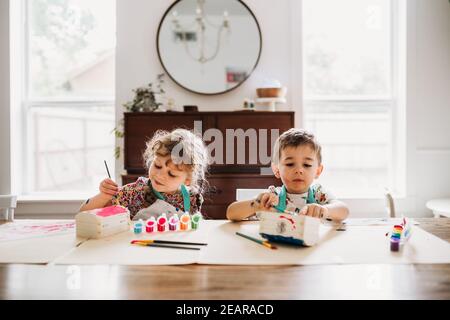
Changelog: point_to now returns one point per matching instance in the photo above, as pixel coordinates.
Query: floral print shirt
(138, 195)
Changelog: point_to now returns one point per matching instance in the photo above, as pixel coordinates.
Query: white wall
(428, 102)
(428, 81)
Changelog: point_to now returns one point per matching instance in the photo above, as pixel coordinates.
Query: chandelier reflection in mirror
(208, 46)
(199, 36)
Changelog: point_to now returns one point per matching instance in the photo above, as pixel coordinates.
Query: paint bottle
(396, 236)
(150, 225)
(162, 222)
(395, 244)
(195, 221)
(173, 222)
(184, 221)
(138, 225)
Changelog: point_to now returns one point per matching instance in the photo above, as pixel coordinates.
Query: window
(349, 76)
(69, 96)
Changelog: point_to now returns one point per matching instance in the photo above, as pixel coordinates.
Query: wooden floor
(232, 282)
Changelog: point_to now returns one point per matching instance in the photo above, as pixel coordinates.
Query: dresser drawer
(222, 188)
(222, 191)
(215, 211)
(249, 137)
(141, 126)
(238, 171)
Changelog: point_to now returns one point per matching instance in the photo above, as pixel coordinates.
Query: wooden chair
(248, 194)
(390, 206)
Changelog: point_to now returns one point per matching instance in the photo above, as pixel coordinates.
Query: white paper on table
(21, 243)
(28, 229)
(356, 245)
(118, 249)
(376, 221)
(41, 250)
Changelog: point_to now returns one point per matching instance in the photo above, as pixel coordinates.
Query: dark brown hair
(293, 138)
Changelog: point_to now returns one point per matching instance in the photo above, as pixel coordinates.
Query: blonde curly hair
(187, 151)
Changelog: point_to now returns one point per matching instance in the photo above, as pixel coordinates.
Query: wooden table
(420, 281)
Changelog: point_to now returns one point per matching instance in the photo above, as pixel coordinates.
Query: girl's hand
(265, 201)
(314, 210)
(108, 188)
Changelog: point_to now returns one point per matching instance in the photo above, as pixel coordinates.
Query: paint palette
(399, 235)
(287, 228)
(162, 223)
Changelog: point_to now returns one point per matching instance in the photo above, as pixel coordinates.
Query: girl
(177, 163)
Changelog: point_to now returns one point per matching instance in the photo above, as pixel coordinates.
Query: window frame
(395, 101)
(29, 104)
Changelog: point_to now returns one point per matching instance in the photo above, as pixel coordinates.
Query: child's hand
(108, 188)
(265, 201)
(315, 210)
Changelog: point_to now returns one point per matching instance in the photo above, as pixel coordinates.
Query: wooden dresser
(224, 178)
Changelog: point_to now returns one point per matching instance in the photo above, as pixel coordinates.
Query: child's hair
(293, 138)
(187, 151)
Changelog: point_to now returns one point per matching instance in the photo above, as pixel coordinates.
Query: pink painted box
(103, 222)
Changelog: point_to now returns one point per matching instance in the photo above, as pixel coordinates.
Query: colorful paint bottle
(396, 236)
(150, 225)
(162, 222)
(195, 221)
(138, 225)
(399, 235)
(184, 221)
(173, 222)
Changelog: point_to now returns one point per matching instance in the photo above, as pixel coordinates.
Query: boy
(297, 161)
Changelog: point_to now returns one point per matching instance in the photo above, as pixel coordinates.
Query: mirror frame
(203, 93)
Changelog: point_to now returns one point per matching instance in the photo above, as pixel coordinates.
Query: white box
(294, 229)
(102, 222)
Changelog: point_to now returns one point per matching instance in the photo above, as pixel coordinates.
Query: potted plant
(144, 101)
(145, 97)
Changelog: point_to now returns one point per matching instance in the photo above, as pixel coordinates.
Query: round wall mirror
(209, 46)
